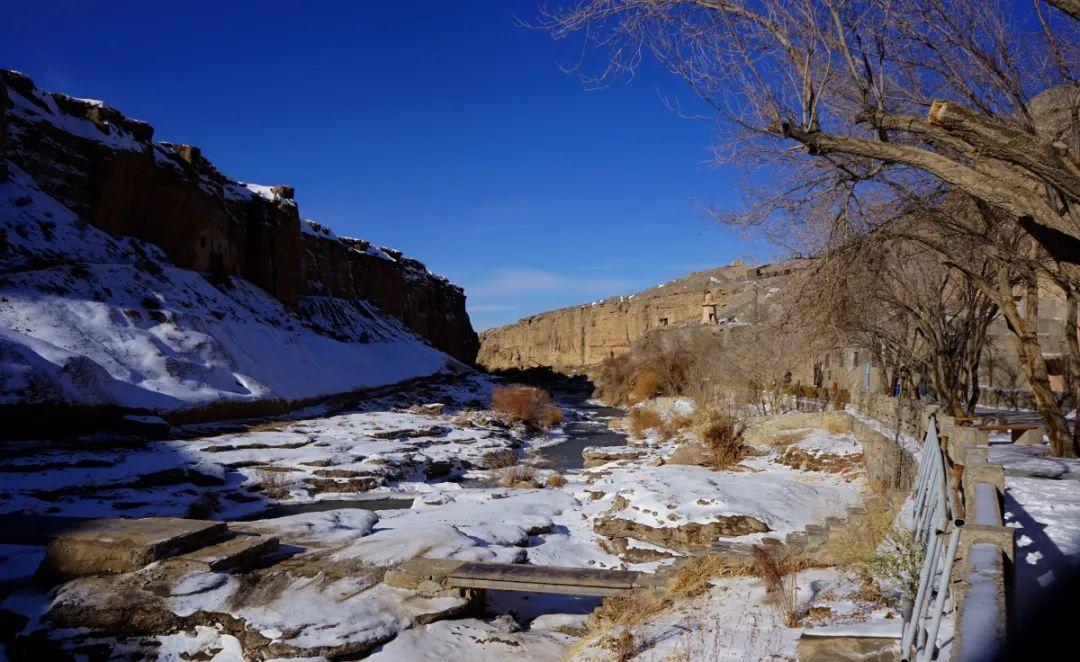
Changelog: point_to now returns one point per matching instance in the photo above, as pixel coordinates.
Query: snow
(43, 109)
(819, 442)
(84, 320)
(265, 192)
(198, 643)
(19, 562)
(310, 227)
(983, 610)
(736, 621)
(1046, 514)
(474, 640)
(673, 495)
(331, 527)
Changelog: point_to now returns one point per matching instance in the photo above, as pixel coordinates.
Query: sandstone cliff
(108, 170)
(571, 339)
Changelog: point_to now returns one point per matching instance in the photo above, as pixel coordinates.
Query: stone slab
(827, 648)
(124, 545)
(239, 551)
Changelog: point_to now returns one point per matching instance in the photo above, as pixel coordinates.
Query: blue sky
(443, 129)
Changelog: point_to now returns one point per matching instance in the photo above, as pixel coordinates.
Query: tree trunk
(1072, 358)
(1029, 353)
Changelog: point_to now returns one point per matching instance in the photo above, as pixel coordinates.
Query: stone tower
(708, 310)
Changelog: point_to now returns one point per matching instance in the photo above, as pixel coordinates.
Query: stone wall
(107, 168)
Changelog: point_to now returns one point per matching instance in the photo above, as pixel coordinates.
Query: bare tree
(903, 88)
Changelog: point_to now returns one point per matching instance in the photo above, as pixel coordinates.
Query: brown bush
(555, 481)
(646, 385)
(615, 380)
(722, 434)
(642, 418)
(526, 404)
(501, 458)
(522, 476)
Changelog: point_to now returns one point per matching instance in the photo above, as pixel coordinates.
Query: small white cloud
(533, 281)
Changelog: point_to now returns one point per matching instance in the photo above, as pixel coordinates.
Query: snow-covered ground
(1042, 502)
(325, 597)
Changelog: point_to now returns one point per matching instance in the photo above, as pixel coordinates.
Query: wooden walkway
(432, 575)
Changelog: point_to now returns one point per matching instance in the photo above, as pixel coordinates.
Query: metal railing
(937, 529)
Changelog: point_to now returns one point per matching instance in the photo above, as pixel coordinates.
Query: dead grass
(646, 385)
(779, 583)
(528, 405)
(274, 484)
(721, 434)
(612, 624)
(693, 577)
(782, 429)
(642, 419)
(555, 481)
(501, 458)
(520, 476)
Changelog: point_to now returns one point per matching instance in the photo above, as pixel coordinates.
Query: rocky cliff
(108, 170)
(572, 339)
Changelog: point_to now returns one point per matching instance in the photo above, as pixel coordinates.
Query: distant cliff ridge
(107, 169)
(572, 339)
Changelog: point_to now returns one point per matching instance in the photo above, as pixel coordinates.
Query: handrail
(935, 516)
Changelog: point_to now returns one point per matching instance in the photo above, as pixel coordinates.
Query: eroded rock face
(571, 339)
(107, 169)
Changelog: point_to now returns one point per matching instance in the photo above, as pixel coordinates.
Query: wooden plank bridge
(434, 575)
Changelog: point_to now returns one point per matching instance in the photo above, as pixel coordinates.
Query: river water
(591, 430)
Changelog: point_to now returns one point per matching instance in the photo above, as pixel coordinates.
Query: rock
(431, 409)
(239, 551)
(692, 454)
(683, 538)
(115, 546)
(570, 339)
(854, 649)
(172, 196)
(594, 456)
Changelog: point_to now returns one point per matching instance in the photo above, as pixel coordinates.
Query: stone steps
(112, 546)
(240, 551)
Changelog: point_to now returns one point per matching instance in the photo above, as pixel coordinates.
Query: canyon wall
(572, 339)
(107, 169)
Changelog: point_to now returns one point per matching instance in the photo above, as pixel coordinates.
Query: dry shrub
(611, 624)
(522, 476)
(646, 385)
(642, 419)
(555, 480)
(274, 484)
(615, 380)
(898, 561)
(529, 405)
(501, 458)
(721, 434)
(779, 583)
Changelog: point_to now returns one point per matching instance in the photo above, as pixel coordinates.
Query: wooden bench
(1016, 430)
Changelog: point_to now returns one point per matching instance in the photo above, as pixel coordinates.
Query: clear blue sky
(440, 128)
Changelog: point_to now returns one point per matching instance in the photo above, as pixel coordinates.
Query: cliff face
(572, 339)
(109, 171)
(428, 304)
